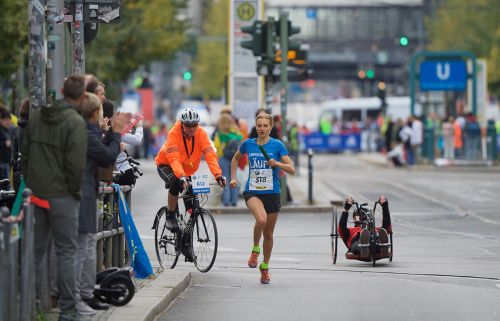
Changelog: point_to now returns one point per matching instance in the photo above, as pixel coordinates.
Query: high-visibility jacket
(184, 156)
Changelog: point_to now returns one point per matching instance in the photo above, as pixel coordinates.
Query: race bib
(261, 179)
(200, 183)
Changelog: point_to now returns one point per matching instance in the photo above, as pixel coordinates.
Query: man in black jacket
(53, 158)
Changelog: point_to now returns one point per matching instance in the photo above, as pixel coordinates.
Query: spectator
(53, 159)
(226, 142)
(448, 138)
(102, 152)
(24, 111)
(5, 143)
(417, 138)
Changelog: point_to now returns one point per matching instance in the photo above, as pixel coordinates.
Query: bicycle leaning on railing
(196, 238)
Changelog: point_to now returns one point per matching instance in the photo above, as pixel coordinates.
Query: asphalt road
(446, 253)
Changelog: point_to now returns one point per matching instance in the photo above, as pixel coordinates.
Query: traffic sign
(447, 75)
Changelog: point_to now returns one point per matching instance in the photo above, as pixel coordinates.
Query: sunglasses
(191, 126)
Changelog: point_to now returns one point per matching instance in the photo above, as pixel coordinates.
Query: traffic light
(290, 31)
(187, 75)
(258, 43)
(381, 94)
(370, 73)
(404, 41)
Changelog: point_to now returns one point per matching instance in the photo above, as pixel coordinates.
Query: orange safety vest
(184, 154)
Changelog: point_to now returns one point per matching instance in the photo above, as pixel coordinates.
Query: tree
(13, 35)
(211, 63)
(148, 30)
(472, 26)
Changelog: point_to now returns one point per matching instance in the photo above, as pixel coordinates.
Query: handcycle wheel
(373, 253)
(165, 242)
(334, 236)
(392, 251)
(204, 240)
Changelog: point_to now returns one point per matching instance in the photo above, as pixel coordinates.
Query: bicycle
(368, 223)
(196, 238)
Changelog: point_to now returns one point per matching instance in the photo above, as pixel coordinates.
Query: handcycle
(196, 238)
(368, 223)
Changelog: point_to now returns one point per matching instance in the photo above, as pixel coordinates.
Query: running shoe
(264, 276)
(253, 261)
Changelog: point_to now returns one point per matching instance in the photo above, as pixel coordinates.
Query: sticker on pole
(200, 183)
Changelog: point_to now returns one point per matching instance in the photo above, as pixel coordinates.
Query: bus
(359, 109)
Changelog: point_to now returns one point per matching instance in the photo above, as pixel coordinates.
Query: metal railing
(17, 255)
(17, 263)
(111, 250)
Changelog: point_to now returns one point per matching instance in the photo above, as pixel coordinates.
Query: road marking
(486, 251)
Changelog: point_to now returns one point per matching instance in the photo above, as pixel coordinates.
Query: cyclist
(180, 157)
(356, 235)
(267, 156)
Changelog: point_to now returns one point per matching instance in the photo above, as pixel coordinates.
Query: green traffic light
(187, 75)
(370, 74)
(403, 41)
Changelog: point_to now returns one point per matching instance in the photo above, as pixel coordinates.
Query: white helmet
(189, 116)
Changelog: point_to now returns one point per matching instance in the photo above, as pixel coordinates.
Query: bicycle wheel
(392, 250)
(204, 240)
(334, 236)
(165, 242)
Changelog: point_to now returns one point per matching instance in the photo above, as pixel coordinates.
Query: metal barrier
(17, 263)
(111, 250)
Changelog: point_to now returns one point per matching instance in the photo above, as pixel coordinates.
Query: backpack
(231, 148)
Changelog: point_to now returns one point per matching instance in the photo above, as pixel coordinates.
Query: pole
(37, 76)
(283, 89)
(55, 47)
(77, 34)
(310, 176)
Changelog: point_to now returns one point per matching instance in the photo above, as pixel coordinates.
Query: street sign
(444, 75)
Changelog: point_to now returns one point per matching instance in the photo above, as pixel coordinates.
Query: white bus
(348, 109)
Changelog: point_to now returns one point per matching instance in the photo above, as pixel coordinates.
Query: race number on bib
(261, 179)
(200, 184)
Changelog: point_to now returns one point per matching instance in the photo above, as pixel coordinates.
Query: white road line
(486, 251)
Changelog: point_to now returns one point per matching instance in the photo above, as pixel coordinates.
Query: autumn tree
(211, 62)
(148, 30)
(472, 26)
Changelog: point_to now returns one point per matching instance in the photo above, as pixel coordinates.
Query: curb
(153, 297)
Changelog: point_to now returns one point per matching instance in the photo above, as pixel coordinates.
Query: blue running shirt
(263, 179)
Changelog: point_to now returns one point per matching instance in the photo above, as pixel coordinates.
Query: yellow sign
(246, 11)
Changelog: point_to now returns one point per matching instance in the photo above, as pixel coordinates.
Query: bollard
(428, 146)
(491, 141)
(310, 176)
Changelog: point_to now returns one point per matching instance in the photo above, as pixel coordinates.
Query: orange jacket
(174, 153)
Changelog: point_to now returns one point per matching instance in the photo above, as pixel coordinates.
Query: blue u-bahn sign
(448, 75)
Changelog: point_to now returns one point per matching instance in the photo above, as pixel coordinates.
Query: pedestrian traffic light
(258, 43)
(404, 41)
(187, 75)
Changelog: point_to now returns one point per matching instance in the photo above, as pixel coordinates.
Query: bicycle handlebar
(4, 195)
